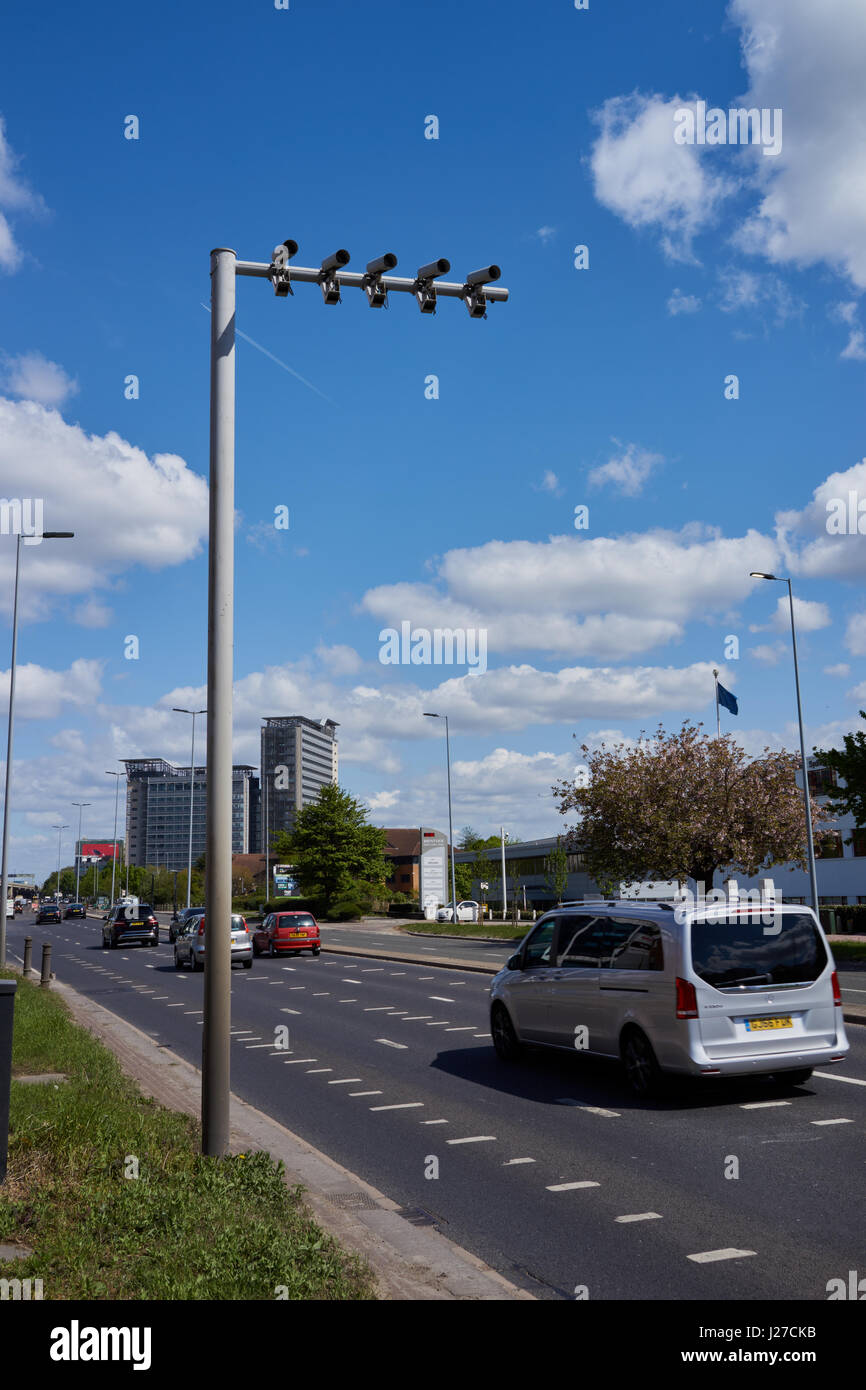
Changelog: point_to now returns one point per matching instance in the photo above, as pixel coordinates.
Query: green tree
(463, 880)
(333, 848)
(684, 805)
(850, 764)
(556, 866)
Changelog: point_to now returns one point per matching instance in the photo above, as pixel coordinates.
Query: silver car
(189, 944)
(709, 991)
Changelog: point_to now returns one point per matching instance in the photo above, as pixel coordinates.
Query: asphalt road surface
(550, 1170)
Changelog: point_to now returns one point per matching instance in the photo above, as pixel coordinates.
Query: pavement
(549, 1174)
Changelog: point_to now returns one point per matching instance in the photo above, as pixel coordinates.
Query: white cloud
(340, 660)
(92, 614)
(855, 635)
(680, 303)
(769, 655)
(550, 483)
(15, 196)
(858, 692)
(825, 556)
(36, 379)
(382, 801)
(840, 669)
(628, 472)
(41, 693)
(644, 176)
(545, 234)
(747, 289)
(808, 615)
(808, 60)
(855, 348)
(152, 511)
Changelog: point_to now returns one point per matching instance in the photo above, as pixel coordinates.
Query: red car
(287, 931)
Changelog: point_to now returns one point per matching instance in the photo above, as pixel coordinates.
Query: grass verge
(478, 931)
(847, 950)
(186, 1227)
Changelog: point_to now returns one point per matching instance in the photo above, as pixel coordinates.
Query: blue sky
(602, 387)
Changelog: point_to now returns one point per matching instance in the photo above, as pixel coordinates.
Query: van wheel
(795, 1078)
(641, 1068)
(505, 1040)
(247, 964)
(316, 950)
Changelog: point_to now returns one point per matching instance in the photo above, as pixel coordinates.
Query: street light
(117, 776)
(80, 805)
(193, 712)
(60, 829)
(4, 877)
(450, 828)
(331, 276)
(813, 876)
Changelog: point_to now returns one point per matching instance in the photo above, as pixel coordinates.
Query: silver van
(717, 990)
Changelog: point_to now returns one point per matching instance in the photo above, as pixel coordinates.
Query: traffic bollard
(28, 954)
(46, 964)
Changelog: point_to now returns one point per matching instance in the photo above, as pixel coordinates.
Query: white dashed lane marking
(834, 1076)
(365, 1093)
(570, 1186)
(474, 1139)
(706, 1257)
(298, 1061)
(762, 1105)
(405, 1105)
(511, 1162)
(832, 1122)
(389, 1043)
(640, 1216)
(345, 1081)
(442, 999)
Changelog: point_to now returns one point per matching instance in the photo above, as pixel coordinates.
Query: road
(549, 1170)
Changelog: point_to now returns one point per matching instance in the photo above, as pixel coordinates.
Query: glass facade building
(158, 806)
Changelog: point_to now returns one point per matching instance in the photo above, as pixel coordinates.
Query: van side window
(575, 950)
(538, 948)
(642, 950)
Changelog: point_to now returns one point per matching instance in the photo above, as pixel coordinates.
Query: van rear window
(747, 950)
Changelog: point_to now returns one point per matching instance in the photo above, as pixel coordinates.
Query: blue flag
(727, 699)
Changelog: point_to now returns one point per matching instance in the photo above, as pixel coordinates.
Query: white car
(467, 911)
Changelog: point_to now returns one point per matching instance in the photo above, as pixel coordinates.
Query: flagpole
(718, 723)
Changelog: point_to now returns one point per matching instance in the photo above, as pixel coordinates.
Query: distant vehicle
(48, 912)
(189, 944)
(128, 924)
(467, 911)
(287, 931)
(709, 992)
(10, 900)
(75, 910)
(176, 923)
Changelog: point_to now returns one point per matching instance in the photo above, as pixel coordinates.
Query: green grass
(480, 931)
(187, 1227)
(848, 950)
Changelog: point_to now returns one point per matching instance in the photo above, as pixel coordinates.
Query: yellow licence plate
(760, 1025)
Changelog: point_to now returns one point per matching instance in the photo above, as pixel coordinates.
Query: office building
(299, 757)
(158, 807)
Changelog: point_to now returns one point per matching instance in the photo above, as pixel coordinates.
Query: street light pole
(60, 829)
(80, 805)
(450, 820)
(117, 776)
(477, 291)
(810, 844)
(4, 873)
(193, 712)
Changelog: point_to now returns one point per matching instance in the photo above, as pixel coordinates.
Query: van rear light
(837, 993)
(687, 1000)
(201, 927)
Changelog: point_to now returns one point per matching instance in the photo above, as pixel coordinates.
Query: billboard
(434, 868)
(92, 851)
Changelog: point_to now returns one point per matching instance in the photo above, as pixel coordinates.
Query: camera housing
(280, 274)
(377, 294)
(328, 281)
(485, 276)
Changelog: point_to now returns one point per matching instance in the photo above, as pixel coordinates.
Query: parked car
(287, 931)
(75, 910)
(467, 911)
(48, 912)
(128, 924)
(176, 923)
(189, 944)
(710, 991)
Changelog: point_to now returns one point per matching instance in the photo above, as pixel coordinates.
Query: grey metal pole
(4, 876)
(810, 844)
(80, 805)
(218, 844)
(191, 806)
(116, 776)
(60, 829)
(450, 827)
(718, 721)
(504, 887)
(268, 840)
